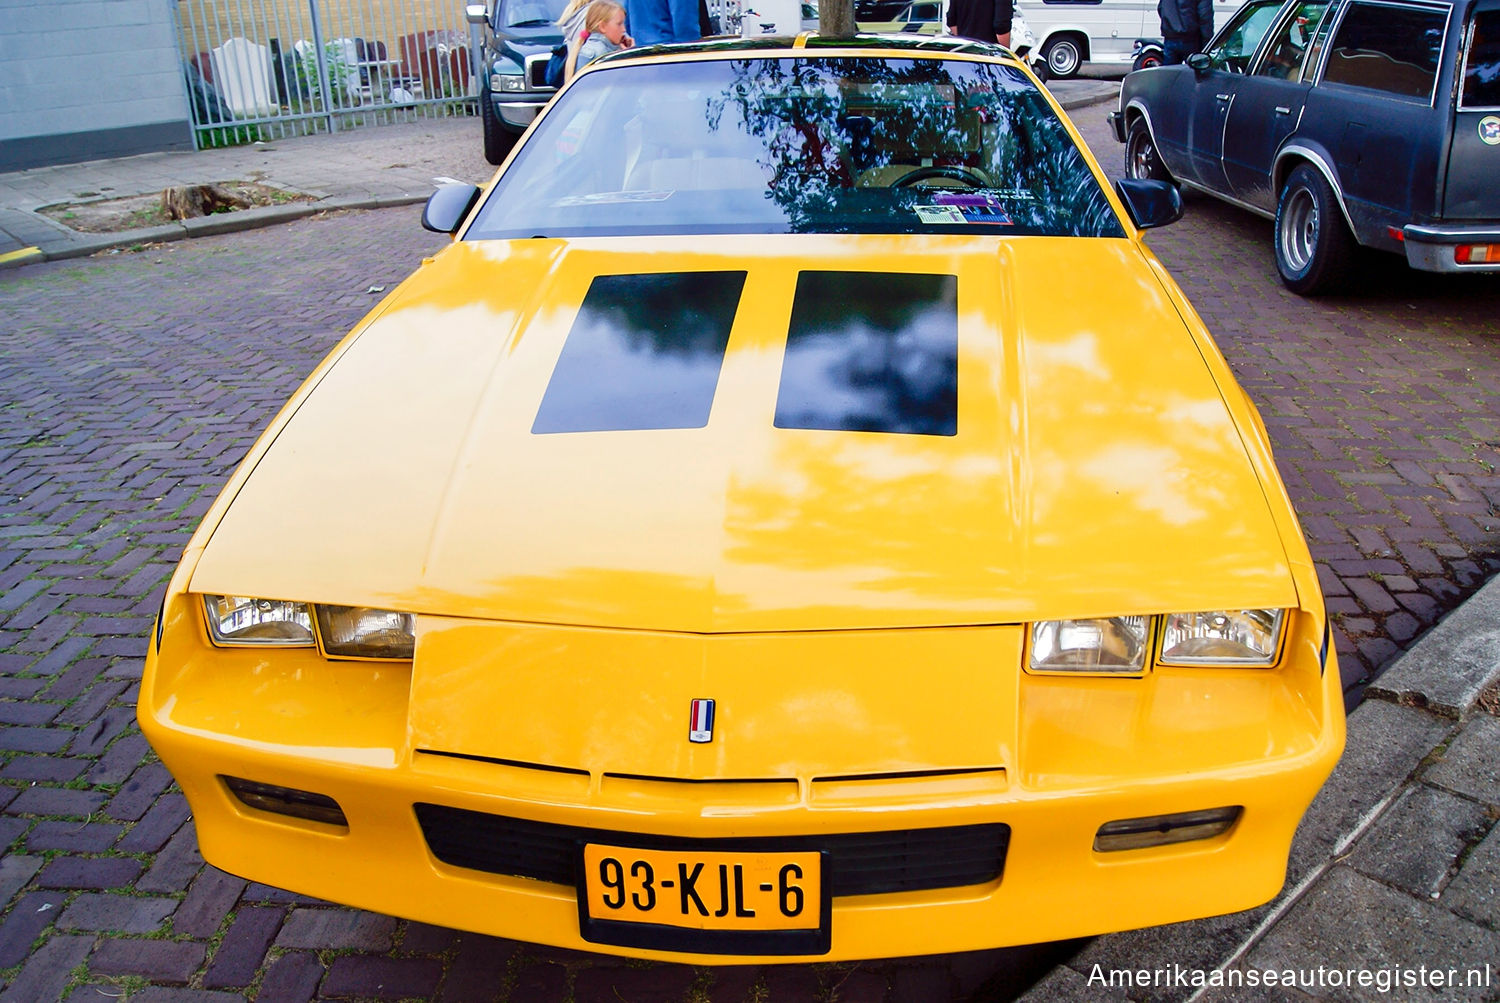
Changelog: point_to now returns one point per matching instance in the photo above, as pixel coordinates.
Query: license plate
(732, 902)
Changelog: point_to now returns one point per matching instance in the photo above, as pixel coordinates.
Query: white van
(1071, 32)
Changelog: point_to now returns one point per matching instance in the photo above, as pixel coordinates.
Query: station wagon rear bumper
(1432, 248)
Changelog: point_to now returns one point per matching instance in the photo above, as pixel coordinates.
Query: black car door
(1269, 101)
(1472, 191)
(1377, 108)
(1215, 89)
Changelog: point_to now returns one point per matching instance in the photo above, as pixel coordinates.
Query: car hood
(1096, 469)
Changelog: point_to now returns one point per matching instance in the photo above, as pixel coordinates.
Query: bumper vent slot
(859, 863)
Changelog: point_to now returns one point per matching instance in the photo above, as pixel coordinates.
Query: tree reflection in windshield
(833, 144)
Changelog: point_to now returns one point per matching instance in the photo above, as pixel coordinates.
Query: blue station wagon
(1350, 122)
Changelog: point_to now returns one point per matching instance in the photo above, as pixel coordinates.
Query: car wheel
(1142, 159)
(497, 140)
(1146, 61)
(1314, 248)
(1063, 56)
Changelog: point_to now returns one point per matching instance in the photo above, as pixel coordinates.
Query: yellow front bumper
(1085, 752)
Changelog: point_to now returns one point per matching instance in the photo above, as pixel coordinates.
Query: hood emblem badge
(701, 721)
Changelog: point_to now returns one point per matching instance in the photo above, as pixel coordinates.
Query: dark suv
(519, 36)
(1351, 122)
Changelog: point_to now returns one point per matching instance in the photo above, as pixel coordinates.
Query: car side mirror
(448, 207)
(1150, 203)
(1199, 63)
(475, 13)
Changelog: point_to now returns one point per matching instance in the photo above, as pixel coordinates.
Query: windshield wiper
(530, 24)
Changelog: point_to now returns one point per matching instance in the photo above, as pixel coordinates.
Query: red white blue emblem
(701, 722)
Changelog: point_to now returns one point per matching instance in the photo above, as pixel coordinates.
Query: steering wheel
(966, 176)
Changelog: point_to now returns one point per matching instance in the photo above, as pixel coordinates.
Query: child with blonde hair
(580, 22)
(603, 32)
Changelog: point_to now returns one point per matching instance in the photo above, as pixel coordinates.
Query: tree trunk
(836, 18)
(191, 201)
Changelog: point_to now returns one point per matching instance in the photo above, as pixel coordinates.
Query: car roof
(811, 41)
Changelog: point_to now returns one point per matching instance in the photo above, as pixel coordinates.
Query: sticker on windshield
(938, 213)
(612, 198)
(956, 207)
(1489, 130)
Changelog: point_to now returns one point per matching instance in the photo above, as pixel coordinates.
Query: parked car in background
(1070, 33)
(797, 518)
(918, 17)
(519, 36)
(1370, 123)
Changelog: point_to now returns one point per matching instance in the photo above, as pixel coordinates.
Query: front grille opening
(859, 863)
(519, 764)
(287, 801)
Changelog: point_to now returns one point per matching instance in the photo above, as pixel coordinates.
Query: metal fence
(264, 69)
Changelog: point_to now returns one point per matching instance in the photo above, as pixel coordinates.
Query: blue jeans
(653, 21)
(1176, 50)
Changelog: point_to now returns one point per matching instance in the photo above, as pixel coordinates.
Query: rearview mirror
(1199, 63)
(448, 207)
(1150, 203)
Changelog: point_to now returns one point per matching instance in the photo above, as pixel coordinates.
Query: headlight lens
(363, 632)
(507, 82)
(238, 620)
(1115, 645)
(1222, 637)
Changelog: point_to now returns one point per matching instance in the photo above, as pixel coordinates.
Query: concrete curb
(205, 226)
(1449, 667)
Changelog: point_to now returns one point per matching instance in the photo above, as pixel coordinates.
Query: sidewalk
(365, 168)
(1395, 870)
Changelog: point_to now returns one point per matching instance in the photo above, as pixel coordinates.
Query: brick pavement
(135, 382)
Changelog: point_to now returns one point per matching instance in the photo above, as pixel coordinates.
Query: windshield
(527, 13)
(799, 145)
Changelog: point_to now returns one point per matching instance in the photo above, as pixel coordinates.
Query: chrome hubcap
(1299, 229)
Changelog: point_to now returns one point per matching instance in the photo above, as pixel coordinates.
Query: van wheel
(1142, 158)
(1314, 249)
(1063, 55)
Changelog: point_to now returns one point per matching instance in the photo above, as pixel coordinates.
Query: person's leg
(1175, 50)
(650, 21)
(684, 14)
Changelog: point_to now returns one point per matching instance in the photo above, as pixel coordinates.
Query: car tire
(1142, 158)
(1314, 248)
(1063, 56)
(1145, 61)
(497, 139)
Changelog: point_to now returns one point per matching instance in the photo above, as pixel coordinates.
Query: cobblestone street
(135, 381)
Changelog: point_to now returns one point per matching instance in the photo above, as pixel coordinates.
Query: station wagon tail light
(1231, 637)
(363, 632)
(1477, 254)
(1117, 644)
(242, 620)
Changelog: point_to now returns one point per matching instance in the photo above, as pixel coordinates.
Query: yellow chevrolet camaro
(796, 518)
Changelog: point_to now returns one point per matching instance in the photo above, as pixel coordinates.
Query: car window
(1236, 44)
(515, 13)
(831, 144)
(1388, 47)
(1293, 42)
(1482, 63)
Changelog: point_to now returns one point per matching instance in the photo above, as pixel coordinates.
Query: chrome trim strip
(1328, 174)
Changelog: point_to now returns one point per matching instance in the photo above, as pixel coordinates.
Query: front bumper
(1086, 752)
(1116, 122)
(1429, 247)
(516, 110)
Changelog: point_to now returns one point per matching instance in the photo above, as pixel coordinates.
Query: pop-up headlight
(1113, 645)
(237, 620)
(1231, 637)
(363, 632)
